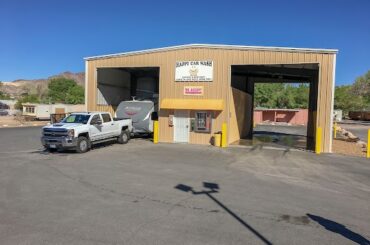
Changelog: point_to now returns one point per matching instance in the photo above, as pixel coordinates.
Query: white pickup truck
(79, 131)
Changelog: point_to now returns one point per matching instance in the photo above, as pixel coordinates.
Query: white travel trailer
(142, 113)
(43, 111)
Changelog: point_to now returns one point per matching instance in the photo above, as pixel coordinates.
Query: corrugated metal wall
(220, 87)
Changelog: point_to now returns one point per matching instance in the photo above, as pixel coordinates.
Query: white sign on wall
(194, 71)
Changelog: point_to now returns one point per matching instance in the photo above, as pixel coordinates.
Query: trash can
(217, 139)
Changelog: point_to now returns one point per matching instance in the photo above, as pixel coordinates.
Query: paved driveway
(142, 193)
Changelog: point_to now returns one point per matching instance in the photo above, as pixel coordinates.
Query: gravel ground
(10, 121)
(348, 148)
(358, 128)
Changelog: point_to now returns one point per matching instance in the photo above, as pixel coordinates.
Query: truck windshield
(76, 118)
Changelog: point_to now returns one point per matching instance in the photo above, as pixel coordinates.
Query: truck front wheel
(124, 137)
(82, 144)
(50, 149)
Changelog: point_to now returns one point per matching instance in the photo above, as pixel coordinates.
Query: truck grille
(55, 133)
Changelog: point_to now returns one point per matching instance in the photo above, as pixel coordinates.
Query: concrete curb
(363, 123)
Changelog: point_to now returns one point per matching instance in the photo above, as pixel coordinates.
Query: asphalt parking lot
(141, 193)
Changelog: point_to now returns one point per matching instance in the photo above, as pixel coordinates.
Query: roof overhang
(214, 46)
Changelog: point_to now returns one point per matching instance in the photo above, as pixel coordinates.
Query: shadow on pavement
(339, 229)
(71, 151)
(213, 188)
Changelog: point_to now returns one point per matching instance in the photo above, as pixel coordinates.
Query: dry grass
(16, 121)
(348, 148)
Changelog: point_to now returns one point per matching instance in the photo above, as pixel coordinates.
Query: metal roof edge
(212, 46)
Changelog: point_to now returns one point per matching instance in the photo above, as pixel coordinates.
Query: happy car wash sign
(193, 90)
(194, 71)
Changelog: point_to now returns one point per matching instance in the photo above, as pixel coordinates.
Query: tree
(361, 87)
(355, 97)
(346, 100)
(301, 96)
(32, 98)
(63, 90)
(75, 95)
(3, 96)
(285, 97)
(267, 94)
(281, 95)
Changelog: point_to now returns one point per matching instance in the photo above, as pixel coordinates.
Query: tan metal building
(199, 87)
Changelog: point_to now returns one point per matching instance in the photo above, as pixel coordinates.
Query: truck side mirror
(154, 116)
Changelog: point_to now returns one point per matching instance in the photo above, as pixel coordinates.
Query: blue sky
(43, 38)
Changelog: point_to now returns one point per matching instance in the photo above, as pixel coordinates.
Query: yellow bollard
(254, 124)
(335, 130)
(217, 139)
(368, 144)
(155, 132)
(224, 135)
(318, 140)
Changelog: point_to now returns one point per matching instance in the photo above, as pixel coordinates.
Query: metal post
(155, 132)
(224, 135)
(368, 144)
(318, 140)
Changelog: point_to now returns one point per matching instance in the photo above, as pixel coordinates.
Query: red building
(292, 116)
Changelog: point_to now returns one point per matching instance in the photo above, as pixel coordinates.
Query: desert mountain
(38, 86)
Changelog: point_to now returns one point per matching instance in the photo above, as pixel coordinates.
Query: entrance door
(181, 126)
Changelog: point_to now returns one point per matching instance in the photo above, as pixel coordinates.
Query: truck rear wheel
(82, 144)
(124, 137)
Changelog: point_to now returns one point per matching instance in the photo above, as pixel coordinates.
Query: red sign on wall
(193, 90)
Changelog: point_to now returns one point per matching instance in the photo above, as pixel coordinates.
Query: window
(106, 117)
(203, 122)
(95, 119)
(76, 118)
(30, 109)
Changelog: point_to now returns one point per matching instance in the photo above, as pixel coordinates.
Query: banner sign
(194, 71)
(193, 90)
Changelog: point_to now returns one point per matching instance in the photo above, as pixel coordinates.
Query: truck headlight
(71, 133)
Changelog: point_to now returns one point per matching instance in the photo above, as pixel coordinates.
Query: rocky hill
(38, 86)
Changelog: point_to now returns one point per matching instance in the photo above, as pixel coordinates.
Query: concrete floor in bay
(277, 136)
(141, 193)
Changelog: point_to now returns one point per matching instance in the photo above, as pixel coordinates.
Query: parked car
(4, 106)
(4, 112)
(79, 131)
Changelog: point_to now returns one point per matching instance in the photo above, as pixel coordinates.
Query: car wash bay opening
(243, 81)
(125, 83)
(201, 87)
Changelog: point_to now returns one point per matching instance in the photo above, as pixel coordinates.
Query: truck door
(95, 130)
(110, 128)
